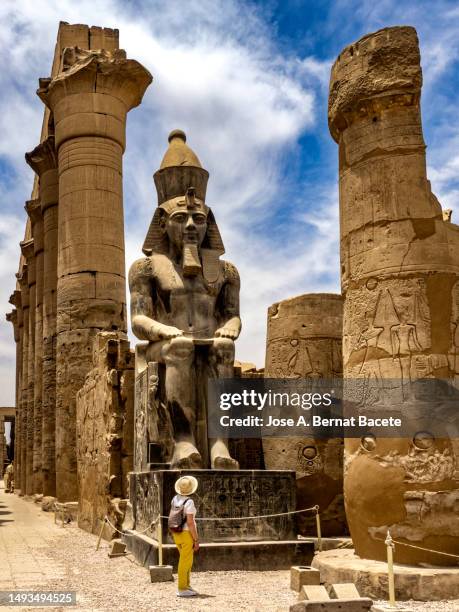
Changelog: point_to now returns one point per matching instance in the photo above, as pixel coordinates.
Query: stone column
(23, 405)
(400, 281)
(27, 248)
(2, 446)
(43, 161)
(89, 100)
(304, 341)
(33, 208)
(14, 318)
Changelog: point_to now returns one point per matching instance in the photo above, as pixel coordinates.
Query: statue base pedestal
(370, 577)
(223, 556)
(233, 538)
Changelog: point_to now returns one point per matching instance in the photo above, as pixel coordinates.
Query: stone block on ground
(344, 590)
(117, 549)
(301, 575)
(339, 605)
(161, 573)
(47, 504)
(387, 608)
(313, 592)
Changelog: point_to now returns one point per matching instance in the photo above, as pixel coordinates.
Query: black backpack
(177, 517)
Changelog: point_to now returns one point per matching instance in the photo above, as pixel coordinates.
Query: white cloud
(217, 75)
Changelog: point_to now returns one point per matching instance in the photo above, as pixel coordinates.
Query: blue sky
(248, 82)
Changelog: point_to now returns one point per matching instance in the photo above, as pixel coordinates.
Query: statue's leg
(221, 358)
(178, 355)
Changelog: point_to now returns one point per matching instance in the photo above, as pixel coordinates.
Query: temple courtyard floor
(38, 555)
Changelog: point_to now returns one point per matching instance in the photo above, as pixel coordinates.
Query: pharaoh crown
(180, 170)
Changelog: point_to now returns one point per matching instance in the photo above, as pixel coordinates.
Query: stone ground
(36, 554)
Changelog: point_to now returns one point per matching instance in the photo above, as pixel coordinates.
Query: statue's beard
(191, 261)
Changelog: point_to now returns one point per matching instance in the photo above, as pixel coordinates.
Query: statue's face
(186, 226)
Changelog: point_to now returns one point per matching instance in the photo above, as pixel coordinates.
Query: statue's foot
(220, 459)
(186, 457)
(225, 463)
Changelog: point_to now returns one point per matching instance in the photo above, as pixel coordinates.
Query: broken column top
(385, 63)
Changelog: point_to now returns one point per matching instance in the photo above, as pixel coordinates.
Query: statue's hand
(227, 332)
(167, 332)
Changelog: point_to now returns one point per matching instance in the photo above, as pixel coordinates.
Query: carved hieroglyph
(221, 493)
(304, 341)
(105, 436)
(399, 270)
(89, 99)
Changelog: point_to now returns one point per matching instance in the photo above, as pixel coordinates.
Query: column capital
(378, 72)
(43, 157)
(15, 298)
(33, 209)
(12, 317)
(96, 72)
(27, 250)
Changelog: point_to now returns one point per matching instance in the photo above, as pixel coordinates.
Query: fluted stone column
(33, 208)
(400, 281)
(23, 283)
(44, 162)
(27, 248)
(89, 100)
(304, 341)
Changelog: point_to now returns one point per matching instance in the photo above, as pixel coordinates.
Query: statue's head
(185, 221)
(182, 218)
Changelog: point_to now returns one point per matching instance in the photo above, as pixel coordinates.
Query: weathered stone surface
(104, 433)
(301, 575)
(47, 503)
(220, 493)
(304, 341)
(370, 577)
(161, 573)
(400, 279)
(117, 549)
(344, 590)
(340, 605)
(314, 592)
(185, 303)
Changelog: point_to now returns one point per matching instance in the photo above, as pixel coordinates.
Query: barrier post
(160, 541)
(100, 534)
(390, 568)
(319, 530)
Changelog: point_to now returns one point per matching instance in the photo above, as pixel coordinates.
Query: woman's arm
(193, 530)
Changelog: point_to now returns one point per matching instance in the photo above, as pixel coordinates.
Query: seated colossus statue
(185, 304)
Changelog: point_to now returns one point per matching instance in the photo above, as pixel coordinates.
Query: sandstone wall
(105, 432)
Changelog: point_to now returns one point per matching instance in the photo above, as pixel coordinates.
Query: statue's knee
(178, 349)
(224, 350)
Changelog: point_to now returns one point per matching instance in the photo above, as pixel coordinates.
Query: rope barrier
(437, 552)
(246, 518)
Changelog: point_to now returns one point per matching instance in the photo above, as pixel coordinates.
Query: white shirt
(190, 508)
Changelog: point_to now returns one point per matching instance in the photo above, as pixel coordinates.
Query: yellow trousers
(184, 543)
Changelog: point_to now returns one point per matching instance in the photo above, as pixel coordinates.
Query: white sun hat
(186, 485)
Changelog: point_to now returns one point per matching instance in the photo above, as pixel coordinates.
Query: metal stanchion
(390, 568)
(101, 532)
(160, 541)
(319, 530)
